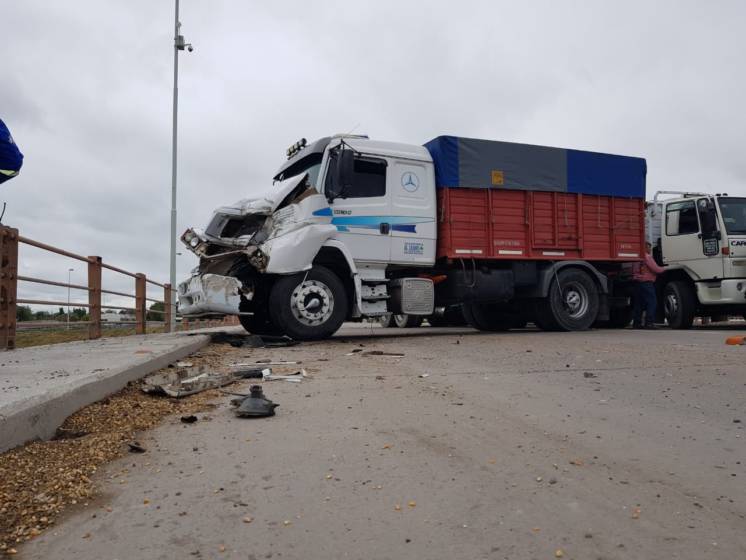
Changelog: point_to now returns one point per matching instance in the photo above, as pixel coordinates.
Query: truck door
(413, 227)
(684, 244)
(361, 213)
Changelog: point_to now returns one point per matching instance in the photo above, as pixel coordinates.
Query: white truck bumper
(209, 294)
(722, 292)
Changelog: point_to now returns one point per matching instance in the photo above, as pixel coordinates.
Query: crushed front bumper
(209, 294)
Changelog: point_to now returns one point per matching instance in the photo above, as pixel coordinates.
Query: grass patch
(27, 338)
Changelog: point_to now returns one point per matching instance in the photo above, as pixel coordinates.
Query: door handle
(384, 228)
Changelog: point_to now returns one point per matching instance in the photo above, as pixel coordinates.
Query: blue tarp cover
(11, 158)
(469, 162)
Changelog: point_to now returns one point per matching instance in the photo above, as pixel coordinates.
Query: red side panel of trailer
(476, 223)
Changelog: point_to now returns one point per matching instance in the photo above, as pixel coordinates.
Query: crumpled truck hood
(267, 202)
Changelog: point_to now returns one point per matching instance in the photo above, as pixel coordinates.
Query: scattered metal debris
(253, 373)
(135, 447)
(255, 405)
(382, 353)
(296, 377)
(264, 363)
(252, 340)
(187, 381)
(191, 419)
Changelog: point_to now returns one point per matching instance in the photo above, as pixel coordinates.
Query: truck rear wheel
(309, 305)
(679, 304)
(571, 304)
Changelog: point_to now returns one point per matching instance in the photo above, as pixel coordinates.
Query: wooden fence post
(8, 286)
(140, 303)
(94, 297)
(167, 308)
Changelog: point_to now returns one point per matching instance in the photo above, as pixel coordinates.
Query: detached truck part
(701, 240)
(355, 228)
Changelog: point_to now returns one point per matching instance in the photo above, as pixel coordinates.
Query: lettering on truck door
(413, 227)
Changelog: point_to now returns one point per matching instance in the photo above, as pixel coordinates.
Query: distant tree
(79, 314)
(157, 306)
(24, 313)
(42, 315)
(61, 311)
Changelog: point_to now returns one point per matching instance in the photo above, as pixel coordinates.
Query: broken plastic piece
(256, 405)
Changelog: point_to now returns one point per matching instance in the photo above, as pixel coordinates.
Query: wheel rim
(312, 303)
(576, 300)
(671, 305)
(400, 320)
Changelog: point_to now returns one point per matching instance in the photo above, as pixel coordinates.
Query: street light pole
(179, 45)
(69, 272)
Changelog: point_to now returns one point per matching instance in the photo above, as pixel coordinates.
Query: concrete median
(41, 386)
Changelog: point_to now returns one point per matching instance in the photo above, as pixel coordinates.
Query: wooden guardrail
(9, 279)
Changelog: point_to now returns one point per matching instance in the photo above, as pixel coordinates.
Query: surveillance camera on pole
(179, 45)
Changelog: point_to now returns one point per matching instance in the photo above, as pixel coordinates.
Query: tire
(679, 304)
(408, 321)
(571, 304)
(309, 305)
(386, 320)
(491, 318)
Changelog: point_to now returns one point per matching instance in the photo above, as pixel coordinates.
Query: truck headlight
(194, 241)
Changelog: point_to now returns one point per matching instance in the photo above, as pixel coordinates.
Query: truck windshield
(733, 211)
(310, 164)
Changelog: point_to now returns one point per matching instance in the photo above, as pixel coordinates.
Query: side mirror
(342, 166)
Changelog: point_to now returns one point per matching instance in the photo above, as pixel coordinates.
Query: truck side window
(368, 177)
(681, 218)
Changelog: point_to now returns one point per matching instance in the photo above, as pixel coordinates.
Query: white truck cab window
(681, 218)
(369, 178)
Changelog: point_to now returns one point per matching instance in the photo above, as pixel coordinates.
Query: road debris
(183, 382)
(252, 340)
(382, 353)
(589, 375)
(191, 419)
(255, 405)
(253, 373)
(136, 447)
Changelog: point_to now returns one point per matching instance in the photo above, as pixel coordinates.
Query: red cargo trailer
(478, 223)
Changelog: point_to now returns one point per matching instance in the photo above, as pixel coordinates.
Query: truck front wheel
(309, 305)
(571, 304)
(679, 304)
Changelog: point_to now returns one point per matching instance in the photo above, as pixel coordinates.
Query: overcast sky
(86, 89)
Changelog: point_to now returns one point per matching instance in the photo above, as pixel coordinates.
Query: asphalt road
(597, 445)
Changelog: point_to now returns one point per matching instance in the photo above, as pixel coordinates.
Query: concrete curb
(39, 417)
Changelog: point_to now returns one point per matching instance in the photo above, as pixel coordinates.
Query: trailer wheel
(487, 317)
(679, 304)
(309, 305)
(408, 321)
(572, 303)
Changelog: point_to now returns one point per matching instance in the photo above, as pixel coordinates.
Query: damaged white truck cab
(319, 246)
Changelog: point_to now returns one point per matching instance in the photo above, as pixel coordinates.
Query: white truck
(700, 238)
(355, 229)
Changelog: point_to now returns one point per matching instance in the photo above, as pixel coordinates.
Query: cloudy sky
(86, 89)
